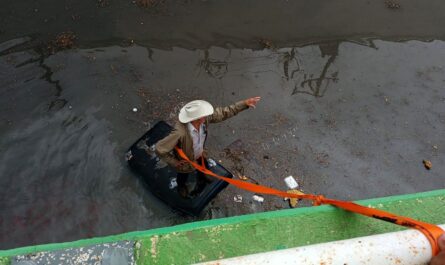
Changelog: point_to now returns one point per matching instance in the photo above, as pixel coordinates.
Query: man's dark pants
(201, 182)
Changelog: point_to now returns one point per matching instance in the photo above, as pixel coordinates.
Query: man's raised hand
(251, 102)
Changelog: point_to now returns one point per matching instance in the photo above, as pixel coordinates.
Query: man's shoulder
(180, 127)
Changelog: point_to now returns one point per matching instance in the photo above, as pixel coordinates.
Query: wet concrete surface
(347, 120)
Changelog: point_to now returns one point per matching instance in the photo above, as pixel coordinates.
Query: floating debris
(63, 41)
(391, 4)
(135, 110)
(428, 165)
(291, 182)
(258, 198)
(322, 159)
(293, 202)
(266, 43)
(238, 198)
(242, 177)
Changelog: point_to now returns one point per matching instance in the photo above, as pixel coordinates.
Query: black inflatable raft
(161, 178)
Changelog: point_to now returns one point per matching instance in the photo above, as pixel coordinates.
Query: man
(190, 134)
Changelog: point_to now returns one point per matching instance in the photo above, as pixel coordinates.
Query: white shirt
(198, 139)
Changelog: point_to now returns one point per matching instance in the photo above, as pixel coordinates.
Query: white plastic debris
(291, 182)
(258, 198)
(237, 198)
(135, 110)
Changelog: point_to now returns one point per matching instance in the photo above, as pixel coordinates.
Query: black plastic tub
(161, 178)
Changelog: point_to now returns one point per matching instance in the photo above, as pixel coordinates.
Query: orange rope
(431, 231)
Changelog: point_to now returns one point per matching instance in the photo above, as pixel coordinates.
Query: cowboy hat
(194, 110)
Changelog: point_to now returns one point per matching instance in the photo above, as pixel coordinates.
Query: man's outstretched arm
(223, 113)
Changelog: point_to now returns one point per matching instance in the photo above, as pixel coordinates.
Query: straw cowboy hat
(194, 110)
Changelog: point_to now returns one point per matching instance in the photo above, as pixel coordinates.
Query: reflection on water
(214, 68)
(318, 86)
(67, 121)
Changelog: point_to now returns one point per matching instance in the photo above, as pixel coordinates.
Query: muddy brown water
(348, 120)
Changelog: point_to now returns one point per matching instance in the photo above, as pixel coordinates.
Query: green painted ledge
(247, 234)
(236, 236)
(5, 261)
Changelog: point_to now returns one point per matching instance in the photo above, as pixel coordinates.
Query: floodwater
(348, 120)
